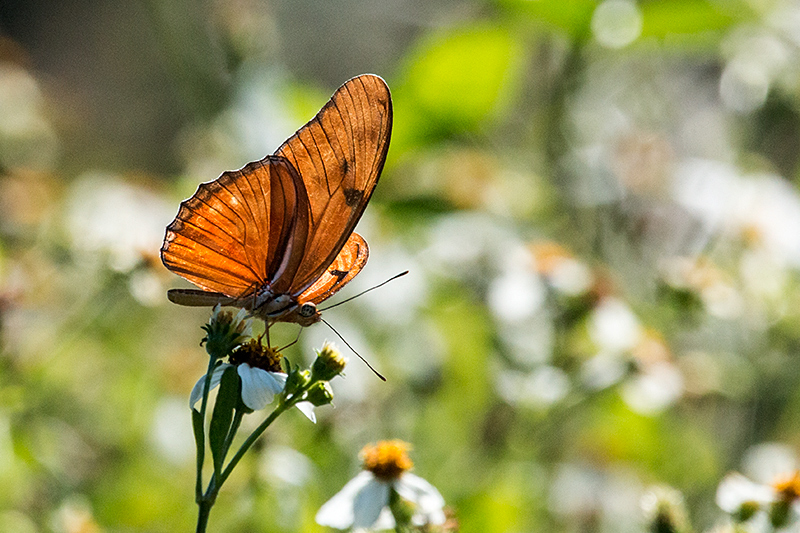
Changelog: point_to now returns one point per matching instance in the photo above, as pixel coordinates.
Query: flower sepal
(225, 331)
(402, 510)
(746, 511)
(296, 380)
(780, 513)
(319, 394)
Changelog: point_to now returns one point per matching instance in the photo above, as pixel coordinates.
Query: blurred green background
(597, 202)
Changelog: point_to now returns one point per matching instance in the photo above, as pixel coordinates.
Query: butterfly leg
(266, 333)
(299, 331)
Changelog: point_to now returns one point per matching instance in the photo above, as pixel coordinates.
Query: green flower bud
(296, 380)
(320, 393)
(665, 511)
(780, 513)
(329, 363)
(746, 511)
(225, 331)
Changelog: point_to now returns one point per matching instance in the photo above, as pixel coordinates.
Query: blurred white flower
(515, 295)
(764, 209)
(613, 326)
(603, 370)
(465, 243)
(708, 189)
(654, 389)
(543, 387)
(75, 514)
(27, 139)
(776, 502)
(743, 86)
(611, 496)
(735, 490)
(529, 342)
(286, 466)
(397, 303)
(363, 503)
(665, 507)
(564, 272)
(766, 461)
(171, 431)
(571, 277)
(107, 215)
(616, 23)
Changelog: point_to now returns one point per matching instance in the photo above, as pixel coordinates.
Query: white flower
(259, 387)
(735, 490)
(776, 502)
(363, 503)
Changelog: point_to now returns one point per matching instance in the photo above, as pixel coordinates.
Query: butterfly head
(304, 314)
(284, 308)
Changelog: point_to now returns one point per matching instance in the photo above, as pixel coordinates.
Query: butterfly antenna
(354, 350)
(401, 274)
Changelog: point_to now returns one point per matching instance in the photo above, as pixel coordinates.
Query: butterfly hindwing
(348, 263)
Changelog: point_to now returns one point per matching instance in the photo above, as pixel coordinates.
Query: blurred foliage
(597, 202)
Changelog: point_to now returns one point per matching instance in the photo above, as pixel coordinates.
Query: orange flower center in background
(257, 355)
(387, 459)
(788, 486)
(549, 256)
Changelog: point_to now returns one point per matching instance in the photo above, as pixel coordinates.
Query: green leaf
(681, 19)
(570, 17)
(456, 80)
(197, 426)
(227, 397)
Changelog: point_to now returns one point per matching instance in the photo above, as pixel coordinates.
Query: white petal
(428, 500)
(338, 511)
(369, 502)
(197, 390)
(735, 490)
(307, 408)
(259, 386)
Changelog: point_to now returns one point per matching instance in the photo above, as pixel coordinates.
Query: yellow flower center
(387, 459)
(257, 355)
(788, 486)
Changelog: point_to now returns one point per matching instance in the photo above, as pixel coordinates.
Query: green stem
(206, 501)
(237, 421)
(215, 484)
(282, 406)
(202, 517)
(201, 442)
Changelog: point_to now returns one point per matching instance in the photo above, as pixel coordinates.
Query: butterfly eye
(307, 310)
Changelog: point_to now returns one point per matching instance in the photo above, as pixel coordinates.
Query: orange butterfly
(276, 237)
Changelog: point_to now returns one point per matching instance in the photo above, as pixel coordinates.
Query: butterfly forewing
(339, 154)
(232, 235)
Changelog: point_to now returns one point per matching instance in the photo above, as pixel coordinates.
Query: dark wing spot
(340, 274)
(353, 196)
(345, 166)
